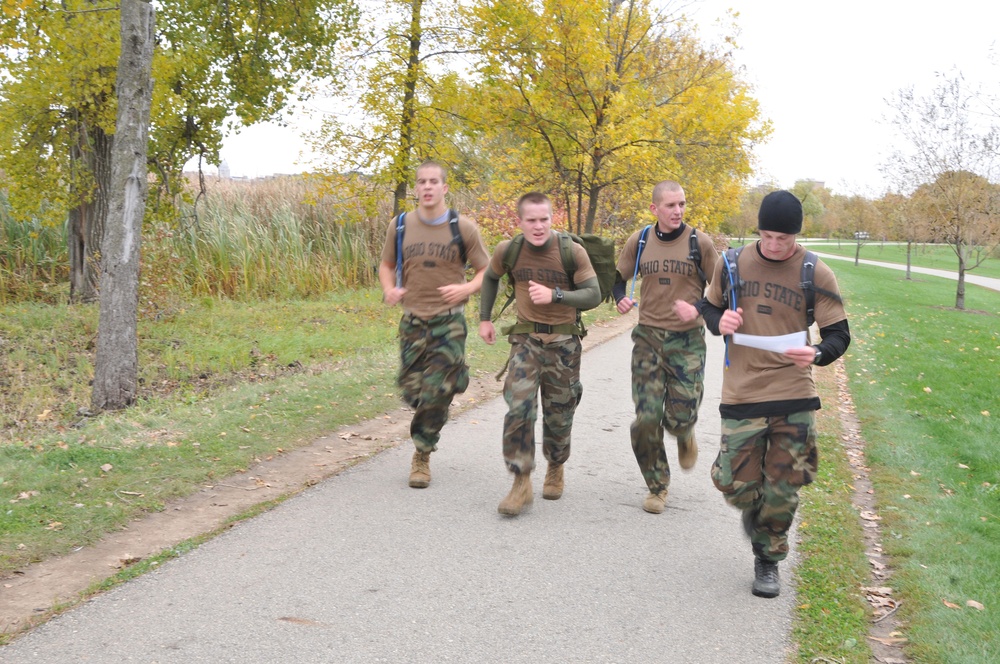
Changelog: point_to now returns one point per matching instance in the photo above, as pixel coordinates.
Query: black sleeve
(711, 313)
(835, 340)
(618, 290)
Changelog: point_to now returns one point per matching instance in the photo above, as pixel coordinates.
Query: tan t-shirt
(667, 275)
(432, 259)
(773, 303)
(544, 266)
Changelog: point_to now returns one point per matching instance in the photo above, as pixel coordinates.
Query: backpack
(456, 238)
(694, 255)
(600, 251)
(731, 282)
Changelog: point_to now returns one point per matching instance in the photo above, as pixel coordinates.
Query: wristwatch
(819, 355)
(557, 294)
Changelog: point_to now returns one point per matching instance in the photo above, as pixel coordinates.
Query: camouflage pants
(554, 370)
(668, 382)
(432, 372)
(762, 463)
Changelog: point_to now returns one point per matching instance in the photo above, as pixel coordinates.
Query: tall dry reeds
(283, 237)
(33, 259)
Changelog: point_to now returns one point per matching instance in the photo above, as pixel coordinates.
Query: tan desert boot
(519, 496)
(552, 489)
(420, 470)
(655, 502)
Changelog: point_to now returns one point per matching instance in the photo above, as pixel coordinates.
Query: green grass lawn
(223, 384)
(924, 378)
(938, 257)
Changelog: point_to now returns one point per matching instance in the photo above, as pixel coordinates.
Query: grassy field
(924, 379)
(224, 384)
(938, 257)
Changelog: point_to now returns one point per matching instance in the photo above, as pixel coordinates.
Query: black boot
(766, 582)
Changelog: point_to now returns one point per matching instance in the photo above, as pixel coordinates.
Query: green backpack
(600, 251)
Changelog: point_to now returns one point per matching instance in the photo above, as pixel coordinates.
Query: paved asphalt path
(970, 278)
(361, 568)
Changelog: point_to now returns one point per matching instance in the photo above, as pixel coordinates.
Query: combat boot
(553, 487)
(687, 450)
(520, 495)
(655, 502)
(766, 582)
(420, 470)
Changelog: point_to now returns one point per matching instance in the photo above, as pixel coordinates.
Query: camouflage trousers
(432, 372)
(762, 463)
(552, 369)
(668, 382)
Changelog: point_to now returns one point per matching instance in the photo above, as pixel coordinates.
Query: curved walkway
(985, 282)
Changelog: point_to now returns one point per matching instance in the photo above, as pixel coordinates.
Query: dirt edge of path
(884, 635)
(34, 594)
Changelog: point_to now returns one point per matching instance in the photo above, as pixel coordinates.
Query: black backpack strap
(566, 255)
(731, 282)
(809, 287)
(400, 230)
(694, 254)
(509, 259)
(456, 235)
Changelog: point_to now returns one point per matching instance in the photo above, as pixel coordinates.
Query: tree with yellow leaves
(598, 101)
(217, 65)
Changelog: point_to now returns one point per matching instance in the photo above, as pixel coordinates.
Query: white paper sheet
(778, 344)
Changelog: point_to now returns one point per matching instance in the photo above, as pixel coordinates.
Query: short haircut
(663, 187)
(533, 197)
(431, 163)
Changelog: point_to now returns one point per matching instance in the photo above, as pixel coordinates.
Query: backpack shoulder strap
(400, 230)
(694, 254)
(512, 252)
(731, 275)
(456, 235)
(566, 254)
(510, 255)
(806, 284)
(809, 287)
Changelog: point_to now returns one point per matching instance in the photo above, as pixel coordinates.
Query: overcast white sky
(822, 72)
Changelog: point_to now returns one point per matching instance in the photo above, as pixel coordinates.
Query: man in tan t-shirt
(769, 399)
(423, 269)
(545, 346)
(668, 354)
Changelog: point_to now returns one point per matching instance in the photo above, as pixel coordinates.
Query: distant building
(224, 173)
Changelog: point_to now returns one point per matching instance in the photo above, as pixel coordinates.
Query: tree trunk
(409, 115)
(116, 365)
(909, 251)
(92, 153)
(960, 291)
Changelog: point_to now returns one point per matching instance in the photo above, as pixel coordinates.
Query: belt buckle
(543, 328)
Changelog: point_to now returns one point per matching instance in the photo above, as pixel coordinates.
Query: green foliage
(404, 98)
(213, 61)
(597, 102)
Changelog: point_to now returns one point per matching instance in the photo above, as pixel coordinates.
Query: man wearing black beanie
(757, 298)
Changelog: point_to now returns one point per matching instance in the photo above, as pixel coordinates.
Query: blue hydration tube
(733, 287)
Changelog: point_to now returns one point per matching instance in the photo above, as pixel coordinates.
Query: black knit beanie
(780, 212)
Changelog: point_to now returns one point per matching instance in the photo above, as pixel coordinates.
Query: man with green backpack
(668, 353)
(545, 344)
